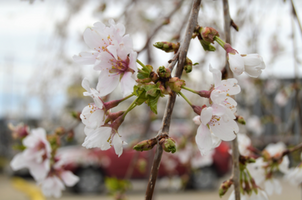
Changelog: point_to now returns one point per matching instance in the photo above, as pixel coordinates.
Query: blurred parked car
(93, 165)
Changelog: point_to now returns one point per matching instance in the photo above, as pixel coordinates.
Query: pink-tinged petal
(196, 120)
(132, 64)
(236, 63)
(127, 83)
(69, 178)
(105, 61)
(112, 49)
(38, 171)
(203, 139)
(118, 145)
(230, 86)
(216, 76)
(218, 109)
(230, 103)
(206, 115)
(107, 83)
(217, 96)
(86, 58)
(224, 130)
(98, 138)
(119, 28)
(99, 25)
(93, 39)
(18, 162)
(86, 86)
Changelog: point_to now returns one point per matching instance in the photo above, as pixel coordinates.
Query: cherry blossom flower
(222, 91)
(276, 150)
(257, 170)
(112, 54)
(56, 180)
(97, 134)
(261, 195)
(252, 64)
(214, 126)
(244, 142)
(36, 156)
(93, 93)
(294, 175)
(254, 125)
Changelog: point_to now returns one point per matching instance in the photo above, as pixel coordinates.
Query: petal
(269, 187)
(112, 49)
(196, 120)
(203, 139)
(216, 76)
(18, 162)
(107, 83)
(206, 115)
(93, 39)
(86, 86)
(218, 109)
(98, 138)
(236, 63)
(132, 64)
(106, 60)
(252, 59)
(224, 130)
(217, 96)
(69, 178)
(127, 83)
(86, 58)
(118, 145)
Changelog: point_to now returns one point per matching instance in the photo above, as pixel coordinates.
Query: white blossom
(112, 53)
(252, 64)
(260, 196)
(36, 156)
(214, 126)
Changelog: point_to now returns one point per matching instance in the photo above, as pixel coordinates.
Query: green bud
(145, 145)
(145, 80)
(207, 45)
(164, 72)
(175, 84)
(225, 186)
(167, 46)
(169, 145)
(208, 34)
(240, 120)
(188, 65)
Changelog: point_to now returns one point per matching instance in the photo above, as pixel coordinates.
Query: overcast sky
(27, 29)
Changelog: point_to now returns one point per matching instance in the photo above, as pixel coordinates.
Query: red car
(93, 165)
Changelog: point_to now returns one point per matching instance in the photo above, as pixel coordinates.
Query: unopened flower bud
(145, 145)
(59, 131)
(188, 65)
(225, 186)
(208, 34)
(207, 46)
(175, 84)
(240, 120)
(164, 72)
(145, 80)
(167, 46)
(197, 109)
(154, 77)
(169, 145)
(113, 116)
(76, 115)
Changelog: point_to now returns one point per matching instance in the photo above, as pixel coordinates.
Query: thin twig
(169, 108)
(295, 15)
(161, 25)
(235, 151)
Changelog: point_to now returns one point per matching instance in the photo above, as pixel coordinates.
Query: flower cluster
(111, 53)
(216, 122)
(39, 157)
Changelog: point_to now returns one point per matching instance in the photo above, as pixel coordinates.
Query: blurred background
(40, 85)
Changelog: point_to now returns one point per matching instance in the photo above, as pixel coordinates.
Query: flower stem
(127, 97)
(219, 41)
(133, 105)
(189, 89)
(139, 62)
(187, 100)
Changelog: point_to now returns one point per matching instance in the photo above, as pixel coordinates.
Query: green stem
(133, 105)
(139, 62)
(219, 41)
(127, 97)
(189, 89)
(187, 100)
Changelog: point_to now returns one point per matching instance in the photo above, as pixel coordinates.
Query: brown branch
(235, 151)
(169, 108)
(164, 22)
(295, 15)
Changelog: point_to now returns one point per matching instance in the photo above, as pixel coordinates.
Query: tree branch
(169, 108)
(161, 24)
(235, 151)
